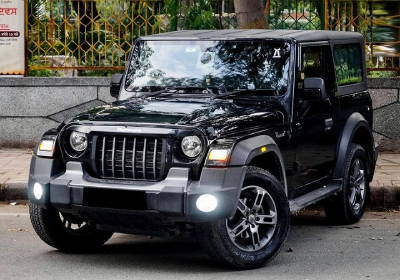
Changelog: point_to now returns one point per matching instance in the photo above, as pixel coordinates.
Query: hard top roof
(299, 35)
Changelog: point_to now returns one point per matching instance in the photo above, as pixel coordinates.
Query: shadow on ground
(166, 255)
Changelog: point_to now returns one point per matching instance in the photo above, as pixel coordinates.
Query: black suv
(215, 134)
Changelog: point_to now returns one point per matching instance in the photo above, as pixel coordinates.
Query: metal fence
(296, 14)
(377, 20)
(98, 34)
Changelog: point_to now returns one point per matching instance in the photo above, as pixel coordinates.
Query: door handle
(299, 127)
(328, 124)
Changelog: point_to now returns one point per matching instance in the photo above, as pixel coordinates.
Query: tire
(243, 251)
(66, 232)
(348, 206)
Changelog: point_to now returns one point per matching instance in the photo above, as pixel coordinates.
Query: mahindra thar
(214, 134)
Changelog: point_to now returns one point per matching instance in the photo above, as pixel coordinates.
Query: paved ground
(14, 165)
(370, 250)
(385, 188)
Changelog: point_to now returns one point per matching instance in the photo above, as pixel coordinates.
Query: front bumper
(71, 189)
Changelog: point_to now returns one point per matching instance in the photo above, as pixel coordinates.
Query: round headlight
(78, 141)
(191, 146)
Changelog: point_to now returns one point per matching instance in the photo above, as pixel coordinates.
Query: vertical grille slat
(113, 158)
(134, 159)
(124, 157)
(102, 156)
(144, 158)
(155, 159)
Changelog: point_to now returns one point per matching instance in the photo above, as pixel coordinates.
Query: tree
(86, 12)
(250, 14)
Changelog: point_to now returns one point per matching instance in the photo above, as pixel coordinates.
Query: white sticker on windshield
(206, 60)
(277, 53)
(190, 49)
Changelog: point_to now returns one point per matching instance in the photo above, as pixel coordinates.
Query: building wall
(385, 94)
(30, 106)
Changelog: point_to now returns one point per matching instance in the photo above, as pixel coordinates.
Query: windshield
(226, 65)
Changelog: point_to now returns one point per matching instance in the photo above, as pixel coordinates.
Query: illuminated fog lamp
(206, 203)
(37, 190)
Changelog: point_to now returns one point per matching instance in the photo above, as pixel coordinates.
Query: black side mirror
(115, 85)
(314, 89)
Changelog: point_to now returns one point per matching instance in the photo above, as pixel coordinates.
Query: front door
(314, 132)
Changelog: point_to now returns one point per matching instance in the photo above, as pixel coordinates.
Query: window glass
(311, 62)
(316, 62)
(348, 64)
(156, 65)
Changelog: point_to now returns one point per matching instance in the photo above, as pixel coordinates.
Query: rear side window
(348, 64)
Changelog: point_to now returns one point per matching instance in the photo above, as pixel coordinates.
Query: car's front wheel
(64, 231)
(257, 231)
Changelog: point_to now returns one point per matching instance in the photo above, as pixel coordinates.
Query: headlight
(191, 146)
(78, 141)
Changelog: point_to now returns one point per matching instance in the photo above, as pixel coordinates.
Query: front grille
(135, 158)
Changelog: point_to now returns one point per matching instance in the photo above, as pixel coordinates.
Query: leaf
(17, 229)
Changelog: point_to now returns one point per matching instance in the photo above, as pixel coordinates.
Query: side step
(319, 194)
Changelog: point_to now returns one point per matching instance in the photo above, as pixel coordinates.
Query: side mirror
(314, 89)
(115, 85)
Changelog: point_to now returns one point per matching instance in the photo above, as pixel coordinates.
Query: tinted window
(316, 62)
(348, 64)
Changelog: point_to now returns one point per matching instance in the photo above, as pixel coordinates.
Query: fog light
(206, 203)
(37, 190)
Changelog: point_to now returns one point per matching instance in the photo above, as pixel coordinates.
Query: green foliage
(303, 15)
(195, 16)
(104, 41)
(348, 64)
(383, 74)
(35, 61)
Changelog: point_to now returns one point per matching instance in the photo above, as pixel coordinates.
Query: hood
(222, 116)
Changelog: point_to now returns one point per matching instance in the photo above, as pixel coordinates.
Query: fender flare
(353, 124)
(246, 150)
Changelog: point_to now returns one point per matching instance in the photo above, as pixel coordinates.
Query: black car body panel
(301, 137)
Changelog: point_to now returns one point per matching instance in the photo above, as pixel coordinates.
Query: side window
(311, 66)
(348, 64)
(316, 62)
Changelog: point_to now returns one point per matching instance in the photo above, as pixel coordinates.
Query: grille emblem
(135, 130)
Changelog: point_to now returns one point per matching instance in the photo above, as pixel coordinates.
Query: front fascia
(174, 197)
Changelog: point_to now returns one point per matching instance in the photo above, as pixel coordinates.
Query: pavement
(14, 171)
(368, 250)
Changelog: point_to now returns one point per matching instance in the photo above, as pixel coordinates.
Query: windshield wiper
(181, 90)
(238, 92)
(158, 92)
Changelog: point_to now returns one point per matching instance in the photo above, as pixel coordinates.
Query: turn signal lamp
(217, 158)
(46, 145)
(221, 155)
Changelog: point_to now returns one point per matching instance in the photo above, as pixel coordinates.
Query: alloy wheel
(254, 223)
(357, 185)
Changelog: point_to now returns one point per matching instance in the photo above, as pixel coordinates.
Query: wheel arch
(358, 131)
(263, 152)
